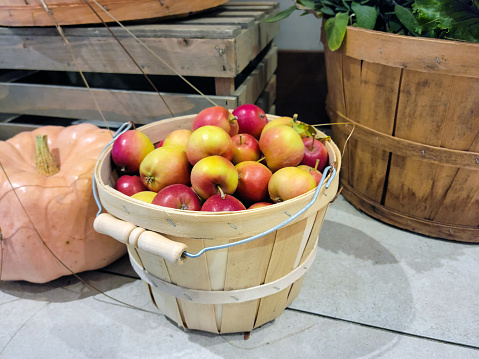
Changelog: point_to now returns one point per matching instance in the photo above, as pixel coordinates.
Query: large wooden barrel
(413, 157)
(76, 12)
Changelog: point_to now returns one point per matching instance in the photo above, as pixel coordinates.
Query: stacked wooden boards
(220, 291)
(413, 157)
(230, 47)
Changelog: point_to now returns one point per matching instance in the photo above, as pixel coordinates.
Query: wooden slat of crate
(122, 106)
(253, 86)
(199, 49)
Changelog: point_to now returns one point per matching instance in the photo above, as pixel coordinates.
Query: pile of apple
(227, 161)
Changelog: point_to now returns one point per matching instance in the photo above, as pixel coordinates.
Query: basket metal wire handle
(179, 253)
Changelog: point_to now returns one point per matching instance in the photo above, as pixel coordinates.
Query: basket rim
(436, 56)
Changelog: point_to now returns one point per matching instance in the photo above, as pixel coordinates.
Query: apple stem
(317, 164)
(295, 117)
(261, 159)
(149, 179)
(312, 144)
(220, 190)
(133, 124)
(241, 139)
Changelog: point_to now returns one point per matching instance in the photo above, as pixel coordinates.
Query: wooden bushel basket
(227, 290)
(413, 158)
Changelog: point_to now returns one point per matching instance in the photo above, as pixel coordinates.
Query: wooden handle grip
(149, 241)
(159, 245)
(107, 224)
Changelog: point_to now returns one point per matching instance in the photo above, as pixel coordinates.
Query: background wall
(298, 32)
(301, 74)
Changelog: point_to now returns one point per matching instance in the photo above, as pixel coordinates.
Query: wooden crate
(413, 157)
(227, 52)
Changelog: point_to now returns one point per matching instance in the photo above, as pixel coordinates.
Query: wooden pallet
(230, 49)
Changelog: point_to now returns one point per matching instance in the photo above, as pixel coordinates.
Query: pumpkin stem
(44, 161)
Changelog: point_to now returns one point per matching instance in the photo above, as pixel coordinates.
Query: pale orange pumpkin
(61, 205)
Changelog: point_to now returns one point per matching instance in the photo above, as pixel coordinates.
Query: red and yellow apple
(164, 166)
(315, 154)
(260, 205)
(288, 183)
(253, 179)
(282, 147)
(129, 149)
(218, 203)
(177, 138)
(245, 148)
(313, 172)
(209, 141)
(216, 116)
(178, 196)
(212, 175)
(129, 185)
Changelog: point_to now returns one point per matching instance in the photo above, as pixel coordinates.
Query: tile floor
(374, 291)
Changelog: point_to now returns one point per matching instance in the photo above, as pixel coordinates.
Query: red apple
(216, 116)
(129, 149)
(164, 166)
(288, 183)
(315, 154)
(178, 196)
(217, 203)
(159, 144)
(177, 138)
(260, 205)
(212, 175)
(313, 172)
(245, 148)
(282, 147)
(129, 185)
(251, 119)
(209, 141)
(253, 179)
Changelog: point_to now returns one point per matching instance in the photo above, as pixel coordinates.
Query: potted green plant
(403, 86)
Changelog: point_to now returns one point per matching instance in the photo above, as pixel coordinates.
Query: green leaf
(307, 3)
(366, 16)
(457, 19)
(328, 11)
(407, 18)
(335, 29)
(281, 15)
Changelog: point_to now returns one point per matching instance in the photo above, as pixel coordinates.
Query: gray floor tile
(372, 273)
(374, 291)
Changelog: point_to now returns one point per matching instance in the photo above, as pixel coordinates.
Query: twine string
(131, 58)
(153, 52)
(70, 50)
